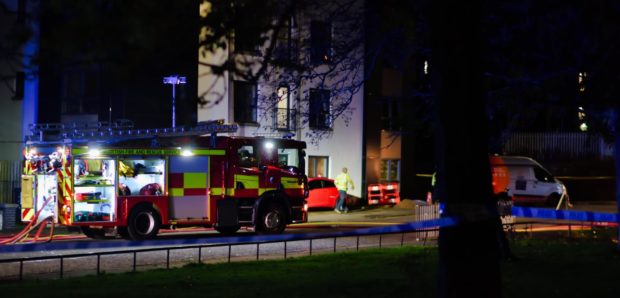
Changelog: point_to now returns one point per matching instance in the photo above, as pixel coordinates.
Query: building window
(319, 115)
(390, 114)
(390, 170)
(284, 116)
(318, 166)
(286, 48)
(245, 102)
(320, 42)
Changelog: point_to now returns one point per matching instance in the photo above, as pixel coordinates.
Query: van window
(542, 175)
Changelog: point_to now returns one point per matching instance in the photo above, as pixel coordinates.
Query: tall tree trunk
(468, 252)
(617, 163)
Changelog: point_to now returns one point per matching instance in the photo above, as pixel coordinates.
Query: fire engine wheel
(143, 223)
(272, 220)
(93, 233)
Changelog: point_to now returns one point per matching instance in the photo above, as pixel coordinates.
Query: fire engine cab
(133, 182)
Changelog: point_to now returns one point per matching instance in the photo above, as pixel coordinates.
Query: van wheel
(553, 200)
(143, 223)
(93, 233)
(272, 220)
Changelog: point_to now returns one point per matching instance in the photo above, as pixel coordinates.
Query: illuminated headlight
(187, 152)
(306, 207)
(94, 152)
(269, 145)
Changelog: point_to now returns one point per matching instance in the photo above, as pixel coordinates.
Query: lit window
(284, 116)
(581, 80)
(390, 170)
(318, 166)
(581, 114)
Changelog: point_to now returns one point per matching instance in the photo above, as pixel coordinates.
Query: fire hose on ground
(23, 235)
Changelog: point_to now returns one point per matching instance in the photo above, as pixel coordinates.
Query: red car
(323, 193)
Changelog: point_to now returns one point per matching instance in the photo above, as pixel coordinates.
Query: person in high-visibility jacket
(342, 181)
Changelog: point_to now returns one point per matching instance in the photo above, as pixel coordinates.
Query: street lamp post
(174, 80)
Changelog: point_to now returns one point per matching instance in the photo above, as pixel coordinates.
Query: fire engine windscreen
(288, 157)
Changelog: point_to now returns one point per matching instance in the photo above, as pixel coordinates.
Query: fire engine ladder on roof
(118, 131)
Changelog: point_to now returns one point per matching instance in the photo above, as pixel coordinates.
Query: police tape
(540, 213)
(544, 213)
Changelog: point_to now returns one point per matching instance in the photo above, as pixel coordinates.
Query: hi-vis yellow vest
(342, 181)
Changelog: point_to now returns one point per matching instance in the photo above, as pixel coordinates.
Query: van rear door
(525, 187)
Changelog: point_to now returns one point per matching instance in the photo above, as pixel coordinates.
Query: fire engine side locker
(38, 189)
(188, 178)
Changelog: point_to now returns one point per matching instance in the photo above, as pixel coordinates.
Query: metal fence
(430, 212)
(427, 212)
(96, 263)
(10, 173)
(549, 146)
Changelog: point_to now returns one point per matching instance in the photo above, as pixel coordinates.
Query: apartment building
(315, 96)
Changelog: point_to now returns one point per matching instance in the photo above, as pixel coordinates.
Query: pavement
(364, 216)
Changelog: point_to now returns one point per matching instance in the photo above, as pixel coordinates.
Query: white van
(524, 180)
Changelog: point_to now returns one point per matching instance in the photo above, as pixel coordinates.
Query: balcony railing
(285, 119)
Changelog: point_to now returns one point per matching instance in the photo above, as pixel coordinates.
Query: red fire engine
(133, 182)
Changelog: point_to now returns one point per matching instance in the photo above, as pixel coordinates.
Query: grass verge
(545, 268)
